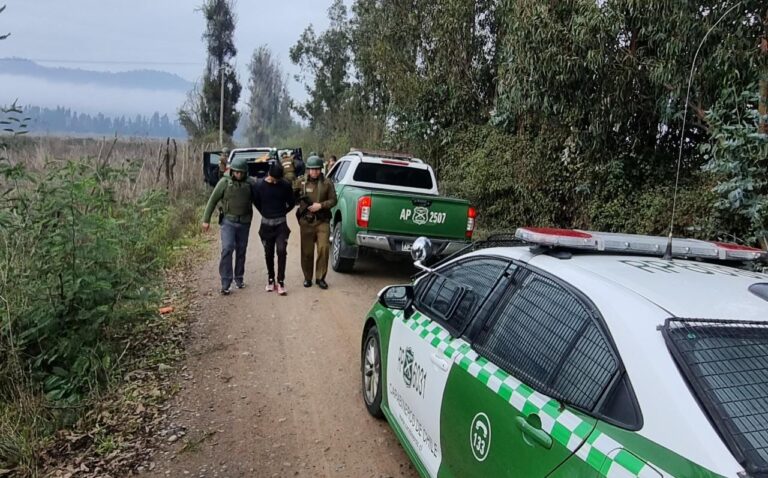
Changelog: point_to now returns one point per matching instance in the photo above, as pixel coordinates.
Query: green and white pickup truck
(386, 201)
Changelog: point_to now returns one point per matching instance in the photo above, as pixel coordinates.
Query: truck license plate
(406, 246)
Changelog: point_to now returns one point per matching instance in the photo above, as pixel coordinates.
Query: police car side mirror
(397, 297)
(421, 251)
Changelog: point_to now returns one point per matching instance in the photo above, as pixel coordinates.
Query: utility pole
(763, 61)
(221, 106)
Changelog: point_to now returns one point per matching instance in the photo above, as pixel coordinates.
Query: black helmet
(276, 171)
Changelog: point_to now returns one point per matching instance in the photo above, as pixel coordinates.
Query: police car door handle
(536, 435)
(440, 362)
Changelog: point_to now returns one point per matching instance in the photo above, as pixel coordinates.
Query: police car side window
(547, 337)
(342, 170)
(453, 295)
(332, 173)
(339, 171)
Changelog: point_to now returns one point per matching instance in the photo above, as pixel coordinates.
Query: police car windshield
(393, 175)
(726, 364)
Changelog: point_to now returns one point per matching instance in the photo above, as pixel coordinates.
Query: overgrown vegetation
(557, 113)
(84, 242)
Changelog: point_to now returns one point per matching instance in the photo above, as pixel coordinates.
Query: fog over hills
(144, 79)
(134, 92)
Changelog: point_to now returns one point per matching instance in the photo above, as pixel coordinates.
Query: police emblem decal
(408, 367)
(420, 215)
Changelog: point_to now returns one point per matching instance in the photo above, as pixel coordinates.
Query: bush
(736, 158)
(525, 179)
(79, 262)
(513, 180)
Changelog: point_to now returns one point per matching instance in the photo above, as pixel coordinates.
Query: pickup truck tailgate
(431, 216)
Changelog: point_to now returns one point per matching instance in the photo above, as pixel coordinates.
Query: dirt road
(272, 384)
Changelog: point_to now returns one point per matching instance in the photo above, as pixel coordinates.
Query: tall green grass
(83, 244)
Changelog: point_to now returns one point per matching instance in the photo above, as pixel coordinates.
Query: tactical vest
(236, 200)
(289, 171)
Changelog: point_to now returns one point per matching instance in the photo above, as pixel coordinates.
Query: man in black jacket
(273, 198)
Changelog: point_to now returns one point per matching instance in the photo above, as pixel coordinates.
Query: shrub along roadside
(81, 271)
(540, 179)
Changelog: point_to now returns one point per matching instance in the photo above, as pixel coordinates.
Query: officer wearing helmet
(233, 195)
(316, 198)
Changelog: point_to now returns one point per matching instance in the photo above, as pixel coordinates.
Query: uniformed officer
(298, 163)
(316, 198)
(331, 162)
(233, 191)
(223, 157)
(289, 171)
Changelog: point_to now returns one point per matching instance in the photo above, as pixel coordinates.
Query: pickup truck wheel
(339, 264)
(371, 368)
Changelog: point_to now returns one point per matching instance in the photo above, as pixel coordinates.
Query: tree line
(574, 113)
(66, 120)
(566, 113)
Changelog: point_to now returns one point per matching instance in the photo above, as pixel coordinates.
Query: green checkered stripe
(437, 336)
(596, 449)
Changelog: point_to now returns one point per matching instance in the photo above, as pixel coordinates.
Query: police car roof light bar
(637, 244)
(547, 236)
(384, 155)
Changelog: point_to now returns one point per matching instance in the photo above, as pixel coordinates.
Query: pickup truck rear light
(471, 215)
(363, 211)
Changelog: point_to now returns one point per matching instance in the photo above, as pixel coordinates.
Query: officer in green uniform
(223, 157)
(316, 198)
(233, 192)
(289, 171)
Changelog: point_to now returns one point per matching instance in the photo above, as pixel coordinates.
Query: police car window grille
(499, 240)
(480, 277)
(464, 285)
(546, 337)
(726, 363)
(495, 240)
(445, 296)
(587, 370)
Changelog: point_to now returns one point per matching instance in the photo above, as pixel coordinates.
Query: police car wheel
(339, 264)
(371, 373)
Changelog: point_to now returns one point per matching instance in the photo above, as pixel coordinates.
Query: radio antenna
(668, 251)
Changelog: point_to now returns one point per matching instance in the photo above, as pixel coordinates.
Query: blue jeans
(234, 239)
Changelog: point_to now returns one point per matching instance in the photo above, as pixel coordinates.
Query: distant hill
(143, 79)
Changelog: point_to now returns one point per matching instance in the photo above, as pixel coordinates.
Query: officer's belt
(246, 219)
(273, 222)
(318, 218)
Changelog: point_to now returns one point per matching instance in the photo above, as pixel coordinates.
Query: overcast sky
(120, 35)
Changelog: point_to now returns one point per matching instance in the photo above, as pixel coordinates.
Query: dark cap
(276, 171)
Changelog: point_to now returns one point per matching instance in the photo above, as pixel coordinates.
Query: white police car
(576, 354)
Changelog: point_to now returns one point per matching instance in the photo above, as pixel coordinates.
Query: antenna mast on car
(668, 251)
